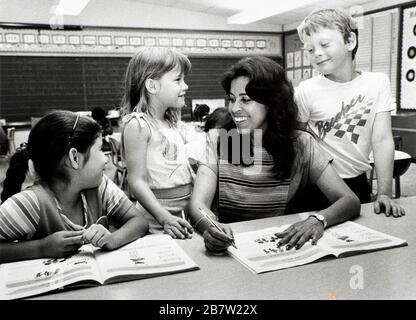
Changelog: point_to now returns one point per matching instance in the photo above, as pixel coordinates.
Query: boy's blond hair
(331, 19)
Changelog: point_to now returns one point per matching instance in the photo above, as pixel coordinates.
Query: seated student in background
(58, 214)
(100, 115)
(201, 111)
(261, 104)
(346, 109)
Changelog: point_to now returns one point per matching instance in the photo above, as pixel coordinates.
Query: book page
(258, 251)
(32, 277)
(149, 256)
(353, 237)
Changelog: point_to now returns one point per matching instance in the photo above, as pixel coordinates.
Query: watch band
(320, 218)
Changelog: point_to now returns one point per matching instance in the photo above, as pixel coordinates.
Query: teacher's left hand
(300, 232)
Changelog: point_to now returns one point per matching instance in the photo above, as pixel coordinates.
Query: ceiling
(209, 14)
(228, 8)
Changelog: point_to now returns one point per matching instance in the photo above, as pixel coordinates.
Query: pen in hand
(231, 241)
(186, 230)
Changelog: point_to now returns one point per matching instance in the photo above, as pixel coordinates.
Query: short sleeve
(385, 99)
(115, 202)
(140, 117)
(318, 159)
(311, 159)
(304, 111)
(210, 155)
(19, 216)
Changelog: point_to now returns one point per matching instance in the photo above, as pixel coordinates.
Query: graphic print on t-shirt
(349, 122)
(169, 149)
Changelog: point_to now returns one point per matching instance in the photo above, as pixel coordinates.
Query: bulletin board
(297, 62)
(125, 42)
(408, 55)
(378, 44)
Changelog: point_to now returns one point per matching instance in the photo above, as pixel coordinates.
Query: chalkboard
(31, 86)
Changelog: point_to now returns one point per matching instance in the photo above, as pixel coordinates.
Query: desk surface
(388, 274)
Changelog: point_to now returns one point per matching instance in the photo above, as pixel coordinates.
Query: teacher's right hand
(216, 241)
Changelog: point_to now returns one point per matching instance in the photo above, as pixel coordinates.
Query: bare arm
(203, 194)
(345, 205)
(132, 226)
(205, 186)
(56, 245)
(15, 251)
(383, 149)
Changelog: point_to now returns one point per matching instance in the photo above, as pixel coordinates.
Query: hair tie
(23, 150)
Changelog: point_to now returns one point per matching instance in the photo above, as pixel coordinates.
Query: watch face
(320, 218)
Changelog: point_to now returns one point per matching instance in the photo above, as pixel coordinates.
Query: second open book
(258, 250)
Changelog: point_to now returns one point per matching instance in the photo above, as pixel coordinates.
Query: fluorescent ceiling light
(267, 9)
(70, 7)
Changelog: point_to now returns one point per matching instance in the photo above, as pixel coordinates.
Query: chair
(402, 161)
(120, 176)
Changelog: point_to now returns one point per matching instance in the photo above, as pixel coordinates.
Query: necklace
(67, 221)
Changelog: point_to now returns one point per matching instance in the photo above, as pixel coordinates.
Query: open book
(258, 250)
(150, 256)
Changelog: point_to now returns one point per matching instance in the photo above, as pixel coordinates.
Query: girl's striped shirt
(20, 214)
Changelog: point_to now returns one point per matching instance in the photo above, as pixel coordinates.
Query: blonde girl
(160, 177)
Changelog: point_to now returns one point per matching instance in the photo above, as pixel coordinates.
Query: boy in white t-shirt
(348, 110)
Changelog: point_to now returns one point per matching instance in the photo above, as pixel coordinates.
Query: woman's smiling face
(246, 113)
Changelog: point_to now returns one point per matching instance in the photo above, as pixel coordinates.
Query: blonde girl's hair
(150, 63)
(336, 19)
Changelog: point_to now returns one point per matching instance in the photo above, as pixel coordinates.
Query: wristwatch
(319, 217)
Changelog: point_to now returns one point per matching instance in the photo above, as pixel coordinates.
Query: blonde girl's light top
(167, 162)
(34, 213)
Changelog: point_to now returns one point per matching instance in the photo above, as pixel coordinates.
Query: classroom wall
(123, 13)
(32, 86)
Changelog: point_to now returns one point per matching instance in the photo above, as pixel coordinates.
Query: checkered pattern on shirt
(356, 117)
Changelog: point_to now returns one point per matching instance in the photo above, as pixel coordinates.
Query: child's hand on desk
(300, 232)
(99, 236)
(384, 204)
(217, 241)
(61, 244)
(177, 228)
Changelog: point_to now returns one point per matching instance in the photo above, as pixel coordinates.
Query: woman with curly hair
(256, 169)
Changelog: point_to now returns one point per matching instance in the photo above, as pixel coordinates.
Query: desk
(388, 274)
